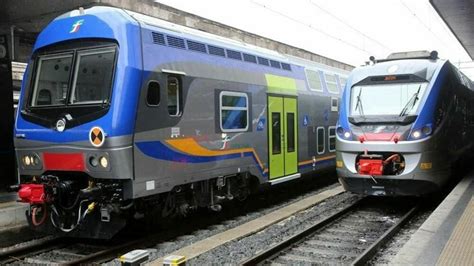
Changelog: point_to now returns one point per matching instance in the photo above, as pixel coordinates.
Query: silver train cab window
(91, 79)
(52, 80)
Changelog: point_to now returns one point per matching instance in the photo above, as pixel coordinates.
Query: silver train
(404, 123)
(123, 115)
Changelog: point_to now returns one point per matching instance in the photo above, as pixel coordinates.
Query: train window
(153, 93)
(234, 111)
(332, 138)
(93, 76)
(314, 80)
(51, 83)
(174, 96)
(331, 83)
(276, 133)
(320, 139)
(396, 99)
(290, 132)
(334, 104)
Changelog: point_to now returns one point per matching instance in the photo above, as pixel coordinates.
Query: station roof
(457, 14)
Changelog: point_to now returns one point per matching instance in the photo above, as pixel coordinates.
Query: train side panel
(175, 150)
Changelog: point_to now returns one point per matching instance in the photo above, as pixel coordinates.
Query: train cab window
(320, 139)
(51, 84)
(234, 111)
(331, 83)
(93, 78)
(332, 138)
(314, 80)
(174, 96)
(153, 93)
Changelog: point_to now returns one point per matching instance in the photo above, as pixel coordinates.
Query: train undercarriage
(79, 206)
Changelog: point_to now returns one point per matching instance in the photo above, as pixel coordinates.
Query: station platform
(447, 236)
(12, 213)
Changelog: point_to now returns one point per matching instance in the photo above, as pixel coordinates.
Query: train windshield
(63, 79)
(401, 99)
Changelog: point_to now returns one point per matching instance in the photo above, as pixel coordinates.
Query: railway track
(66, 251)
(351, 236)
(75, 251)
(10, 255)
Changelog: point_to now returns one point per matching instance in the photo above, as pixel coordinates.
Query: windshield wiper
(411, 103)
(359, 104)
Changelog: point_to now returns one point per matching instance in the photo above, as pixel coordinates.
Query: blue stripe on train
(158, 150)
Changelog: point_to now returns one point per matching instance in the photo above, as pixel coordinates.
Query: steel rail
(12, 255)
(276, 249)
(363, 258)
(110, 253)
(103, 255)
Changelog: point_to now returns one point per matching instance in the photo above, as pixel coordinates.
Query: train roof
(163, 24)
(231, 43)
(112, 13)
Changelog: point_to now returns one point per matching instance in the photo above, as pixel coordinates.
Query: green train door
(283, 136)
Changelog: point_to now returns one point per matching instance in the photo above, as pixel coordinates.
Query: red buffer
(32, 193)
(372, 166)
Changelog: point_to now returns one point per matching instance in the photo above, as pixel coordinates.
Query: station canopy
(458, 15)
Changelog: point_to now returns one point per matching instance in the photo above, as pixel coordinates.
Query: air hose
(34, 212)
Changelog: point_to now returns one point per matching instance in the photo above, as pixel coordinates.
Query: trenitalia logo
(76, 26)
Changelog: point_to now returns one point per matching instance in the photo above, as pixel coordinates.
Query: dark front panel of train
(7, 161)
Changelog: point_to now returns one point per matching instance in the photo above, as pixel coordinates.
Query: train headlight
(427, 130)
(343, 133)
(347, 135)
(32, 161)
(93, 161)
(424, 132)
(104, 162)
(26, 160)
(416, 134)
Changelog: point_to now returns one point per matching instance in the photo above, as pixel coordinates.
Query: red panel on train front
(64, 161)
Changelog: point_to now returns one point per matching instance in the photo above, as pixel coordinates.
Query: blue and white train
(123, 115)
(404, 122)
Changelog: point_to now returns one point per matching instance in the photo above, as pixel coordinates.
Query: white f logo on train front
(76, 26)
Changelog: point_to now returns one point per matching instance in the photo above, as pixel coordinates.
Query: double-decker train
(404, 122)
(122, 115)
